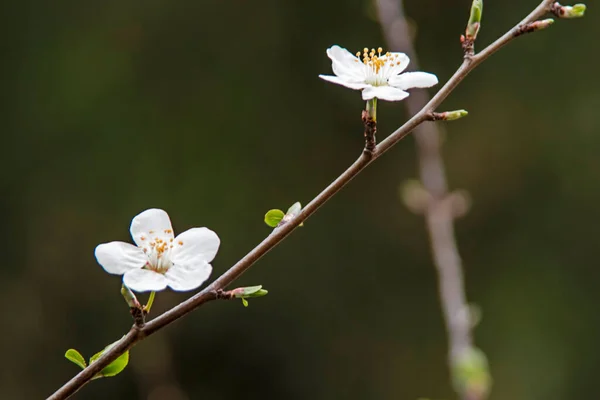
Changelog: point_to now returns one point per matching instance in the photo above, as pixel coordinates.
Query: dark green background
(213, 111)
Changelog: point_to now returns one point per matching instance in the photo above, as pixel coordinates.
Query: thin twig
(136, 334)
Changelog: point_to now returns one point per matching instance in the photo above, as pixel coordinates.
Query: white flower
(377, 75)
(160, 259)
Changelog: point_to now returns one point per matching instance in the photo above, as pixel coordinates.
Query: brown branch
(137, 334)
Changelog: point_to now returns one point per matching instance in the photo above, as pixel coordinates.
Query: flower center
(158, 251)
(379, 66)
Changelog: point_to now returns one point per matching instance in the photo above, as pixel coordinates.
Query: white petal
(413, 80)
(388, 93)
(345, 64)
(356, 74)
(400, 63)
(120, 257)
(343, 82)
(195, 246)
(182, 278)
(339, 54)
(151, 224)
(144, 280)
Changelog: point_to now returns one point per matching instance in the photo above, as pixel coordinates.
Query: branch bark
(139, 333)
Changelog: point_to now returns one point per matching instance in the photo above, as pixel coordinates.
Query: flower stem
(372, 108)
(150, 302)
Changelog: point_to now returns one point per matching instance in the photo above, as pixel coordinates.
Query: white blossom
(160, 259)
(377, 75)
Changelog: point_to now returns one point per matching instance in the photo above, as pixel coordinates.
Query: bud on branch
(575, 11)
(449, 115)
(474, 20)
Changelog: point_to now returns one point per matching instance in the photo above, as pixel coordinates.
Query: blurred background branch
(437, 207)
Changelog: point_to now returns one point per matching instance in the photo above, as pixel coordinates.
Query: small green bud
(543, 24)
(294, 210)
(575, 11)
(129, 297)
(454, 115)
(474, 20)
(249, 292)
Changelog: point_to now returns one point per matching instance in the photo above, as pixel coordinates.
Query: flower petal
(182, 278)
(151, 224)
(195, 246)
(343, 82)
(413, 80)
(340, 54)
(345, 64)
(120, 257)
(144, 280)
(388, 93)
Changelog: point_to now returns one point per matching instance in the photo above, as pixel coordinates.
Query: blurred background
(212, 110)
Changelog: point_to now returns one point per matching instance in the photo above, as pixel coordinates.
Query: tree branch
(137, 333)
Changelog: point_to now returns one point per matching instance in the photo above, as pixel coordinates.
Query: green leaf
(259, 293)
(273, 217)
(76, 358)
(97, 355)
(244, 302)
(114, 367)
